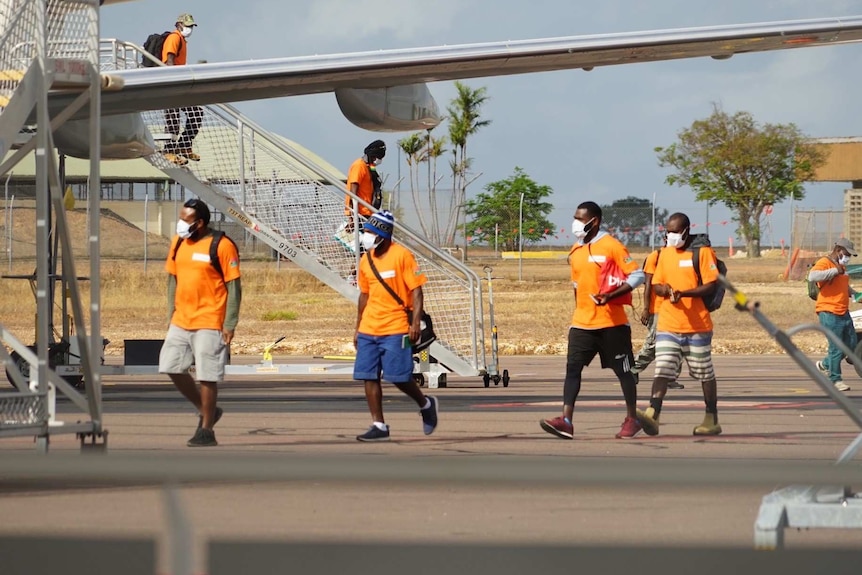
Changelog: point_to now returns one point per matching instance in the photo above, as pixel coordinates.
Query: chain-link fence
(814, 233)
(817, 230)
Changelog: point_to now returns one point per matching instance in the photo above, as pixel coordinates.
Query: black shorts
(613, 344)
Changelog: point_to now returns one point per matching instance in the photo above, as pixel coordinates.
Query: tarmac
(770, 411)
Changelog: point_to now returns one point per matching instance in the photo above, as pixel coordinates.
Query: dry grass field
(532, 315)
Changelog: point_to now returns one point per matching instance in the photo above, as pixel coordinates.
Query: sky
(589, 136)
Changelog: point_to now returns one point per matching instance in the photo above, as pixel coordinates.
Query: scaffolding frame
(60, 50)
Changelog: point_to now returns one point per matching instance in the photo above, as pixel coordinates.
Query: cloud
(370, 19)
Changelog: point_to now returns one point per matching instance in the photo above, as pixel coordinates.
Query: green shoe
(709, 426)
(648, 420)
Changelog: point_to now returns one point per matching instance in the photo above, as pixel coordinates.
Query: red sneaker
(631, 427)
(558, 426)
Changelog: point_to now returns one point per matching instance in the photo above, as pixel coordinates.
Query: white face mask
(184, 229)
(675, 240)
(186, 31)
(369, 241)
(377, 161)
(579, 228)
(843, 259)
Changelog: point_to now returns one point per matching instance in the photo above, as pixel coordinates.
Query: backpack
(154, 44)
(377, 183)
(813, 288)
(714, 300)
(214, 261)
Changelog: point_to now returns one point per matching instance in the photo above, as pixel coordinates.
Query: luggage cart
(492, 373)
(806, 506)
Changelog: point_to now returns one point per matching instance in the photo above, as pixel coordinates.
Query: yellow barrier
(546, 255)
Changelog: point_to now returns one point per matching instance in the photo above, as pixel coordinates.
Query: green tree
(498, 209)
(630, 220)
(747, 167)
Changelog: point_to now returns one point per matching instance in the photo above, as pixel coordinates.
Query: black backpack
(214, 261)
(154, 44)
(712, 301)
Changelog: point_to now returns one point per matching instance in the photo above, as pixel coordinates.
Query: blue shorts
(383, 353)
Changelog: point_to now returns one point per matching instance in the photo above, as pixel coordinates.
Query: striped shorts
(696, 348)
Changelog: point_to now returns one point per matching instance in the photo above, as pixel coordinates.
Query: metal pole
(463, 207)
(94, 199)
(464, 253)
(398, 185)
(790, 250)
(146, 226)
(241, 143)
(652, 235)
(706, 225)
(11, 225)
(521, 238)
(7, 238)
(43, 305)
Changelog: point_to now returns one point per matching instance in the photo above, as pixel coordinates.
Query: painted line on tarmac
(723, 404)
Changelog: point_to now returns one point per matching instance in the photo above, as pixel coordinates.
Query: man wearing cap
(174, 53)
(833, 306)
(384, 332)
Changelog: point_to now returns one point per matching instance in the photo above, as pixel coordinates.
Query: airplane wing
(203, 84)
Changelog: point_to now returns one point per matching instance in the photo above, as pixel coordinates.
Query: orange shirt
(834, 294)
(676, 268)
(649, 268)
(175, 44)
(359, 173)
(382, 314)
(585, 261)
(201, 299)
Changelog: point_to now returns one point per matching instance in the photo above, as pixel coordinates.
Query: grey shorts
(205, 346)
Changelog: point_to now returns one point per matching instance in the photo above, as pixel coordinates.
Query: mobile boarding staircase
(296, 206)
(47, 45)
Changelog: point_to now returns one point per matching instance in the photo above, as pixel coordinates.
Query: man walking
(390, 288)
(649, 318)
(599, 326)
(684, 328)
(174, 53)
(833, 306)
(204, 295)
(363, 180)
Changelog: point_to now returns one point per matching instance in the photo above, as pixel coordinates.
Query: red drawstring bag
(610, 278)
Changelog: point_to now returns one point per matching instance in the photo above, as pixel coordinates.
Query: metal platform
(806, 506)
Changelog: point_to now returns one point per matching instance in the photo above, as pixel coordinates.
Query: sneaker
(675, 385)
(203, 438)
(559, 427)
(374, 433)
(709, 426)
(648, 420)
(218, 413)
(190, 155)
(429, 416)
(175, 159)
(631, 427)
(841, 386)
(821, 367)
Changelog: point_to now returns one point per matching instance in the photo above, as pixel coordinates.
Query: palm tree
(435, 148)
(413, 147)
(463, 122)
